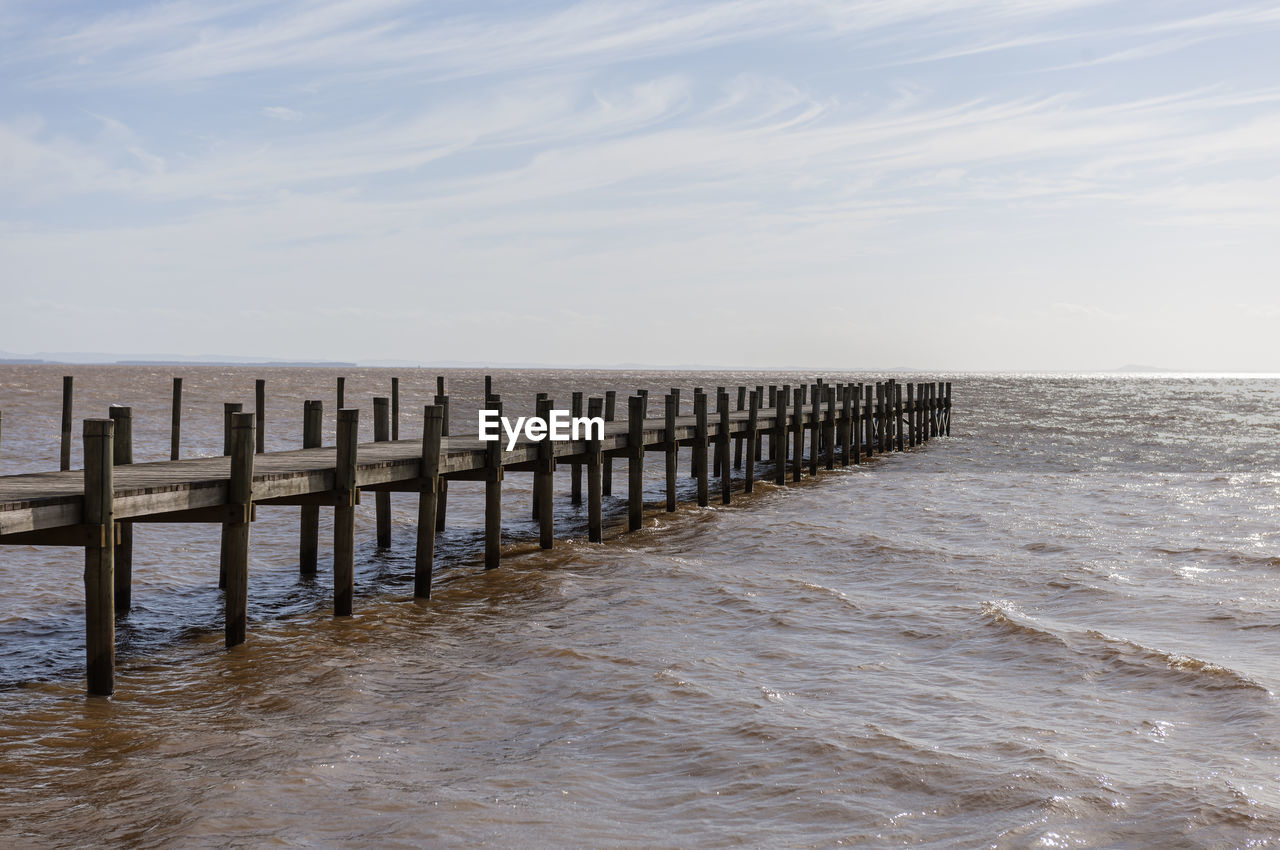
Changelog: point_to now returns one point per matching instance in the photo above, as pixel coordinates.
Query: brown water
(1058, 628)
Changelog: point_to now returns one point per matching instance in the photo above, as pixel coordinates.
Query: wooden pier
(806, 428)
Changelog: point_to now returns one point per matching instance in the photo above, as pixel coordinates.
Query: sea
(1057, 627)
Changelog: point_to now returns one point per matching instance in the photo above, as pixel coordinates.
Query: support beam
(722, 403)
(540, 409)
(122, 455)
(846, 423)
(99, 560)
(342, 393)
(635, 463)
(693, 461)
(382, 500)
(595, 513)
(797, 436)
(424, 560)
(239, 493)
(815, 428)
(344, 516)
(309, 521)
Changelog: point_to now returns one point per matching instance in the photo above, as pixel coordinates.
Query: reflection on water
(1057, 628)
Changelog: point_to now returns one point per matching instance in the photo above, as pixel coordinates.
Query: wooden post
(672, 446)
(722, 404)
(868, 420)
(122, 455)
(737, 444)
(606, 473)
(846, 423)
(722, 448)
(773, 405)
(595, 521)
(442, 492)
(428, 487)
(382, 499)
(911, 414)
(64, 457)
(897, 415)
(815, 429)
(700, 445)
(229, 409)
(947, 405)
(488, 387)
(829, 428)
(1, 434)
(309, 531)
(342, 393)
(759, 442)
(493, 494)
(540, 410)
(344, 513)
(693, 462)
(778, 441)
(395, 408)
(575, 486)
(99, 557)
(543, 481)
(797, 462)
(175, 426)
(260, 413)
(855, 423)
(635, 463)
(644, 403)
(239, 494)
(753, 438)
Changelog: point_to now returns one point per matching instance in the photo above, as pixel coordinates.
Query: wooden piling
(229, 410)
(737, 443)
(911, 414)
(575, 486)
(442, 494)
(635, 463)
(947, 409)
(122, 455)
(309, 522)
(493, 493)
(773, 404)
(700, 445)
(595, 513)
(606, 471)
(722, 403)
(753, 438)
(693, 463)
(175, 421)
(722, 448)
(846, 423)
(64, 455)
(488, 387)
(99, 557)
(868, 420)
(897, 416)
(342, 393)
(260, 414)
(236, 532)
(395, 408)
(344, 512)
(855, 422)
(428, 489)
(382, 499)
(544, 480)
(829, 428)
(797, 425)
(778, 440)
(672, 446)
(815, 429)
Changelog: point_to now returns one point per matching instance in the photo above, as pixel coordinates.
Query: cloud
(282, 113)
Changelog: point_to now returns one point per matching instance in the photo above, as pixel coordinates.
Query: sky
(931, 184)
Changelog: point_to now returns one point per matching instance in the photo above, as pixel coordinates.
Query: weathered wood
(536, 500)
(342, 393)
(442, 497)
(868, 420)
(693, 462)
(846, 423)
(122, 455)
(425, 554)
(99, 560)
(344, 516)
(544, 480)
(382, 500)
(68, 392)
(493, 493)
(778, 441)
(595, 513)
(575, 488)
(797, 436)
(759, 441)
(911, 414)
(753, 438)
(635, 463)
(220, 514)
(175, 422)
(722, 404)
(79, 535)
(947, 407)
(773, 404)
(829, 428)
(260, 413)
(671, 445)
(309, 522)
(700, 446)
(239, 492)
(737, 444)
(815, 428)
(610, 411)
(395, 408)
(722, 448)
(229, 409)
(855, 422)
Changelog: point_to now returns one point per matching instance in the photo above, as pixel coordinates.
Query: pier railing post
(722, 448)
(595, 520)
(428, 488)
(229, 409)
(122, 455)
(753, 438)
(897, 415)
(236, 532)
(635, 462)
(722, 404)
(544, 481)
(855, 422)
(309, 522)
(395, 408)
(260, 413)
(737, 443)
(342, 393)
(99, 557)
(829, 429)
(815, 429)
(700, 446)
(846, 423)
(344, 512)
(575, 487)
(382, 499)
(442, 498)
(773, 405)
(68, 392)
(610, 412)
(797, 461)
(911, 414)
(493, 494)
(672, 446)
(693, 460)
(175, 424)
(778, 441)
